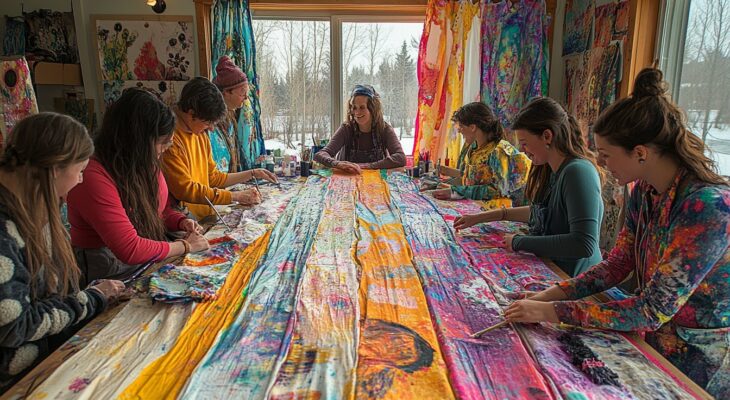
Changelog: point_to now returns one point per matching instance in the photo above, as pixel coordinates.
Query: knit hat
(228, 75)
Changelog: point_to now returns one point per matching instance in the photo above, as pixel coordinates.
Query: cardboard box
(48, 73)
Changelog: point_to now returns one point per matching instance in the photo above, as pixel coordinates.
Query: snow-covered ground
(718, 140)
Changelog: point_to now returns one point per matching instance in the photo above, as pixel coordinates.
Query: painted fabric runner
(320, 363)
(140, 333)
(247, 356)
(399, 355)
(516, 272)
(495, 366)
(200, 275)
(165, 378)
(639, 377)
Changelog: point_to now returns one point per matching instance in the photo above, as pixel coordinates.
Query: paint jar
(304, 168)
(416, 171)
(292, 168)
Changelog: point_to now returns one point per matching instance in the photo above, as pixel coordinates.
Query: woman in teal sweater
(564, 190)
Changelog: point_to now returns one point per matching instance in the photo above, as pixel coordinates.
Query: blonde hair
(36, 146)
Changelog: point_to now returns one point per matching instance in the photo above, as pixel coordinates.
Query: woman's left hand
(190, 226)
(444, 194)
(261, 173)
(531, 311)
(507, 243)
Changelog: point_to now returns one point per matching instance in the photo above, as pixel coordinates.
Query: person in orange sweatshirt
(188, 164)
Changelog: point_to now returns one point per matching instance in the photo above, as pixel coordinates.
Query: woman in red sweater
(121, 212)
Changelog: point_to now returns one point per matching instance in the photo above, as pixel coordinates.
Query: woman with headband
(365, 140)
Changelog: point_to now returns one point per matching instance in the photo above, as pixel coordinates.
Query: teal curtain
(233, 36)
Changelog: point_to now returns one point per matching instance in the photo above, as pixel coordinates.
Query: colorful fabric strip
(494, 366)
(164, 378)
(399, 356)
(245, 360)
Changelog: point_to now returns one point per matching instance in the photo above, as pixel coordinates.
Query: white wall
(83, 10)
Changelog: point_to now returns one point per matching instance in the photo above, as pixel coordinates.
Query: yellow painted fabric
(441, 77)
(164, 378)
(398, 355)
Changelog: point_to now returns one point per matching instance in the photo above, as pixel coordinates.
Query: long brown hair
(544, 113)
(125, 146)
(483, 117)
(650, 117)
(374, 106)
(36, 146)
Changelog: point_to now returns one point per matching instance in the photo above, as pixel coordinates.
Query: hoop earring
(547, 146)
(641, 161)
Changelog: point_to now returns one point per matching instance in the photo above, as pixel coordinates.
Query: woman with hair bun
(675, 241)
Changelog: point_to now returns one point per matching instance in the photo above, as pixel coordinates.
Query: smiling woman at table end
(365, 140)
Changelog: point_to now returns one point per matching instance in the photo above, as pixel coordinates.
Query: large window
(697, 32)
(308, 67)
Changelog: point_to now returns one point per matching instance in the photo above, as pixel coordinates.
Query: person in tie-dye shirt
(493, 170)
(675, 241)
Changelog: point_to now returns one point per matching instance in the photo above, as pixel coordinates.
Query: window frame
(336, 17)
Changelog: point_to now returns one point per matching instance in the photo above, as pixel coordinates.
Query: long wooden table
(75, 344)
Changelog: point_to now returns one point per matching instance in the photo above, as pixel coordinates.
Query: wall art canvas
(578, 26)
(151, 52)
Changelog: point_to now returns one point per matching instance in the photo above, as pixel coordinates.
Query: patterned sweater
(495, 173)
(29, 327)
(677, 242)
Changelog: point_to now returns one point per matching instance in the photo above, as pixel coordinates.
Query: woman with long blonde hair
(39, 281)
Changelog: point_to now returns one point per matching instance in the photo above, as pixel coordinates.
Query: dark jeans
(101, 263)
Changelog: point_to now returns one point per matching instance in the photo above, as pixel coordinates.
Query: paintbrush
(220, 218)
(485, 330)
(256, 185)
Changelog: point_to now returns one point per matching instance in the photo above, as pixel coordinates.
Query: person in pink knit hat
(225, 139)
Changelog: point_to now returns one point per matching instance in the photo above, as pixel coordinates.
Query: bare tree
(374, 49)
(714, 42)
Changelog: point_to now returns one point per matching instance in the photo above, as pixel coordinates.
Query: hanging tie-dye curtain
(514, 55)
(441, 76)
(233, 36)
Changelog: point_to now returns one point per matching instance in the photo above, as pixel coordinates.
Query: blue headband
(364, 90)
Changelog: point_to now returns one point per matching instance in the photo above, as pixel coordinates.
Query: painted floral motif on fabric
(154, 55)
(514, 55)
(496, 174)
